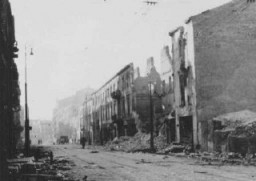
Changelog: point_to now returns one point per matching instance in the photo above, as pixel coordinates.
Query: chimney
(150, 64)
(137, 73)
(166, 60)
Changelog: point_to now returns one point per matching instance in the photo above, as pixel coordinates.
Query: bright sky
(81, 43)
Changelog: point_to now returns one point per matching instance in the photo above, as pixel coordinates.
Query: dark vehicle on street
(63, 140)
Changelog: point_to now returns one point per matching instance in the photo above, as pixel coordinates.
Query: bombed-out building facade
(121, 106)
(206, 70)
(211, 68)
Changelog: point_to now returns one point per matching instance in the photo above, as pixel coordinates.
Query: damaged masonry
(201, 78)
(182, 122)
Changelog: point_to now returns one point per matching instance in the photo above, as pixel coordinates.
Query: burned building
(106, 112)
(143, 94)
(167, 94)
(181, 94)
(214, 67)
(121, 106)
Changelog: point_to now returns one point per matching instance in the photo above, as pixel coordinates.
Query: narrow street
(98, 164)
(153, 90)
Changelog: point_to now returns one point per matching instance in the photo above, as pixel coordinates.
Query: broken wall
(184, 78)
(231, 132)
(225, 60)
(167, 76)
(142, 97)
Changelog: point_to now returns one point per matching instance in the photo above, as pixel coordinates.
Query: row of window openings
(108, 111)
(125, 83)
(112, 88)
(124, 104)
(107, 93)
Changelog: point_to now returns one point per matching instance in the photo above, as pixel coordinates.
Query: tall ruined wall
(167, 90)
(225, 41)
(141, 106)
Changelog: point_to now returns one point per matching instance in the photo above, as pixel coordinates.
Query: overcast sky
(83, 43)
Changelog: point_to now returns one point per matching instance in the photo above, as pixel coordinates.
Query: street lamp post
(27, 127)
(151, 117)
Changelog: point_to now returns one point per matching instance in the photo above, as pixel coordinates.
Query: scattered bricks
(206, 154)
(143, 161)
(14, 169)
(188, 149)
(175, 149)
(181, 155)
(233, 155)
(209, 159)
(21, 160)
(194, 155)
(28, 168)
(115, 140)
(94, 151)
(206, 158)
(66, 167)
(165, 157)
(25, 169)
(39, 177)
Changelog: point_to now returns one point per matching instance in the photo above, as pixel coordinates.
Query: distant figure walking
(83, 140)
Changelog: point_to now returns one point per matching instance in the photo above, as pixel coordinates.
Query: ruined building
(121, 106)
(9, 87)
(213, 62)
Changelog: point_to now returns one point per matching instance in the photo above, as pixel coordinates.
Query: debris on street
(138, 143)
(44, 167)
(94, 151)
(141, 143)
(233, 132)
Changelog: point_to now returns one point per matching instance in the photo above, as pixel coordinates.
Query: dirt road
(117, 166)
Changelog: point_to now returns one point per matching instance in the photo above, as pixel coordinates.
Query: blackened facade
(9, 86)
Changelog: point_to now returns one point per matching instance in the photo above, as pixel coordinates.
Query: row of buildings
(208, 69)
(121, 106)
(9, 88)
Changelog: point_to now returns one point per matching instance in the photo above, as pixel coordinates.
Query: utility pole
(27, 127)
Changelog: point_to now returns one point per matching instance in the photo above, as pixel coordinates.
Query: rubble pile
(233, 132)
(141, 143)
(228, 158)
(173, 148)
(245, 130)
(129, 144)
(138, 143)
(40, 167)
(160, 142)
